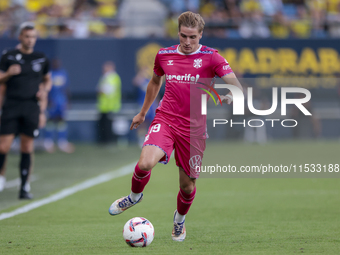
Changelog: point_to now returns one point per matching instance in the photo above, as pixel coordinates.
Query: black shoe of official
(25, 195)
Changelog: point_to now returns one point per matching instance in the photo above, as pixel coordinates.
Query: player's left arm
(232, 80)
(47, 82)
(2, 96)
(44, 87)
(42, 95)
(2, 93)
(222, 69)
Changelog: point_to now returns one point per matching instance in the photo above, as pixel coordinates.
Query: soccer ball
(138, 232)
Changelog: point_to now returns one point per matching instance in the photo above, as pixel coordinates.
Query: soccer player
(57, 105)
(177, 125)
(26, 76)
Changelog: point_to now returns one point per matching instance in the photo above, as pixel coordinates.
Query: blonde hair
(190, 19)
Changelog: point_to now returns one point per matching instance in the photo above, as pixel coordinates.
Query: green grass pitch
(228, 216)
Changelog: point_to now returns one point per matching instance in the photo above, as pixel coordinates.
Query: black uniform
(20, 112)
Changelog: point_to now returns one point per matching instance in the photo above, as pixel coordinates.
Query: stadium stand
(136, 19)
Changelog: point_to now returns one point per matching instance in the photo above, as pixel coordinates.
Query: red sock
(184, 201)
(139, 179)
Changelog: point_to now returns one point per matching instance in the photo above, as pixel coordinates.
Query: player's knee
(26, 148)
(188, 187)
(146, 165)
(4, 148)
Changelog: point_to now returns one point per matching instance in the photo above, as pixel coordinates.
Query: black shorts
(20, 117)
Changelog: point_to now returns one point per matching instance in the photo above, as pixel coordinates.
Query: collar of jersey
(199, 48)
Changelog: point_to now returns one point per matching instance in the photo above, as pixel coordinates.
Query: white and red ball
(138, 232)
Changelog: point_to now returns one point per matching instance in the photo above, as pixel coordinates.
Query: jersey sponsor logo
(36, 67)
(170, 62)
(198, 63)
(37, 61)
(195, 161)
(226, 67)
(16, 58)
(182, 78)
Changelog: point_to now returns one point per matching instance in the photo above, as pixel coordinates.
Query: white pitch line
(69, 191)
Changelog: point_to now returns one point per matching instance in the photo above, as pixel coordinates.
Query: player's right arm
(12, 70)
(2, 93)
(151, 93)
(6, 70)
